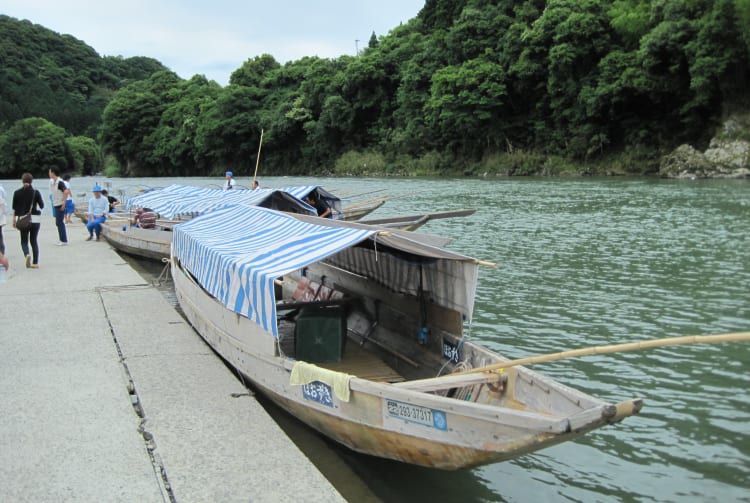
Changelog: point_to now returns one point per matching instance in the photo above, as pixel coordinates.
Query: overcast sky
(215, 37)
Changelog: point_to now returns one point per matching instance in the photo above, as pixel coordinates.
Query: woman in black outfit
(25, 198)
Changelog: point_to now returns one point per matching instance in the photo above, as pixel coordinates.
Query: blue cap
(228, 173)
(96, 188)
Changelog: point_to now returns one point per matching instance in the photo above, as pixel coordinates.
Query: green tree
(440, 14)
(373, 42)
(630, 20)
(32, 145)
(465, 103)
(715, 59)
(86, 155)
(130, 124)
(58, 77)
(254, 71)
(229, 132)
(283, 117)
(175, 138)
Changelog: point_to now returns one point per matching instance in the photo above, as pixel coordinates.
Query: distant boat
(348, 327)
(352, 211)
(154, 244)
(177, 204)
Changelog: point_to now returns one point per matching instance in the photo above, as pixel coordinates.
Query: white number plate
(416, 414)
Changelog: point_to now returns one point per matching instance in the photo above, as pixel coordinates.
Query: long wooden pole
(257, 161)
(616, 348)
(457, 378)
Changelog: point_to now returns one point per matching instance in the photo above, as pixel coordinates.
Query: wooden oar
(257, 161)
(360, 194)
(466, 377)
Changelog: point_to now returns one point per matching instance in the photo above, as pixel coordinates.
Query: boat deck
(357, 361)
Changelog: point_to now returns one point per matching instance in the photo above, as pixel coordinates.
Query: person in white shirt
(229, 184)
(98, 209)
(59, 193)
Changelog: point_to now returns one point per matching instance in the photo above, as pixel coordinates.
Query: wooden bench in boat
(364, 364)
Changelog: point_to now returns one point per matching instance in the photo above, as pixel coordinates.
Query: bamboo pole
(616, 348)
(456, 378)
(361, 194)
(257, 161)
(485, 263)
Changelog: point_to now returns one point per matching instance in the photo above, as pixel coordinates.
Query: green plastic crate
(320, 334)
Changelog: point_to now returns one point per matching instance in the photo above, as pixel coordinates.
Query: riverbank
(110, 395)
(728, 156)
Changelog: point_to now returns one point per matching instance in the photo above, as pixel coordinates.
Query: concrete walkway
(109, 395)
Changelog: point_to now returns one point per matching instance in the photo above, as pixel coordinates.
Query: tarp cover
(301, 191)
(235, 253)
(175, 201)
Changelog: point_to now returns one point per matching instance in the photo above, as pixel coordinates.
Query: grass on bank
(519, 163)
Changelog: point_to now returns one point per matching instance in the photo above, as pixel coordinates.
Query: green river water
(583, 262)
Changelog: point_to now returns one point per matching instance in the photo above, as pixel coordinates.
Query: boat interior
(377, 336)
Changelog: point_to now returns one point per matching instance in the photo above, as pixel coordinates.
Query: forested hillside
(468, 86)
(53, 91)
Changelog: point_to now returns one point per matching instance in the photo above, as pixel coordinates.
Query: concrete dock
(109, 395)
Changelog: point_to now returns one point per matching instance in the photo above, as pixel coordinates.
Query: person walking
(98, 209)
(28, 200)
(3, 220)
(59, 193)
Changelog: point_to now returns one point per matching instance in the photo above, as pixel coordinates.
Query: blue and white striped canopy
(177, 201)
(236, 252)
(301, 191)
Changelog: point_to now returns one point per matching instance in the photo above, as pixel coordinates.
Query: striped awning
(236, 252)
(180, 201)
(301, 191)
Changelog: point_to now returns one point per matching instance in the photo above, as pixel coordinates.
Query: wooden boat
(151, 244)
(154, 244)
(356, 331)
(350, 212)
(180, 205)
(357, 211)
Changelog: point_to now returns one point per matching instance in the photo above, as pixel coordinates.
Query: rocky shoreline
(727, 156)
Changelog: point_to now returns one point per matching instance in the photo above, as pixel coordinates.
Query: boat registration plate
(450, 351)
(317, 391)
(416, 414)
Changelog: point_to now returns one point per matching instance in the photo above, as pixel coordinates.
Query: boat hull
(355, 212)
(151, 244)
(379, 419)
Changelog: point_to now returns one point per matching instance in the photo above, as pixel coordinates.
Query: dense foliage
(64, 83)
(511, 86)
